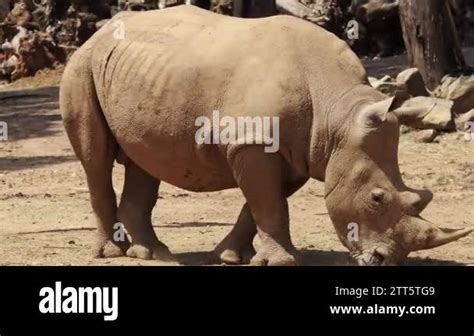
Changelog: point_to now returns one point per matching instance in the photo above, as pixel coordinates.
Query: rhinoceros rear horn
(416, 234)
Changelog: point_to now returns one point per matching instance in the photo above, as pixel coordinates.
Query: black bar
(152, 296)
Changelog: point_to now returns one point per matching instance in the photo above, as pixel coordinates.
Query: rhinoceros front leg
(261, 176)
(237, 245)
(139, 196)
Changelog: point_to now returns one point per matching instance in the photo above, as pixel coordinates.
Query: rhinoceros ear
(416, 234)
(415, 201)
(375, 114)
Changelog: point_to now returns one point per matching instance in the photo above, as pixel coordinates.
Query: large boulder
(461, 120)
(458, 89)
(413, 81)
(429, 113)
(222, 6)
(19, 15)
(426, 136)
(35, 53)
(325, 13)
(386, 85)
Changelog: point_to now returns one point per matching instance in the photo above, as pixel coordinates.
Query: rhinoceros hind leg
(104, 205)
(261, 176)
(95, 147)
(139, 196)
(237, 245)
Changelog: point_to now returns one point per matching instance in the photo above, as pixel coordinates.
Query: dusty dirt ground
(46, 219)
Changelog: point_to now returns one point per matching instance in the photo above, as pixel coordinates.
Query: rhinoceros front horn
(415, 234)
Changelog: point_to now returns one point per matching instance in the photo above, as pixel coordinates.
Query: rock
(222, 6)
(7, 47)
(19, 15)
(8, 63)
(325, 13)
(458, 89)
(65, 32)
(413, 81)
(429, 113)
(36, 53)
(440, 117)
(404, 129)
(462, 119)
(426, 136)
(385, 85)
(22, 35)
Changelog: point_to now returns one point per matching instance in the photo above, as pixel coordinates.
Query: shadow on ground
(30, 113)
(307, 258)
(192, 224)
(13, 163)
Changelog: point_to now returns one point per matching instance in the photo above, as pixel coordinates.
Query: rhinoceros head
(364, 186)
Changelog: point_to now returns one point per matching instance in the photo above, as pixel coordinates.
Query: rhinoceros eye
(377, 195)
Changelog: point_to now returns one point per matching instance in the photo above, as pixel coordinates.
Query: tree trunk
(206, 4)
(4, 9)
(254, 8)
(431, 39)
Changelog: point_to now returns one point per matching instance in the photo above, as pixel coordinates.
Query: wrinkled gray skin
(135, 100)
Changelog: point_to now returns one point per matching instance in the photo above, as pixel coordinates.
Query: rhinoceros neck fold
(332, 124)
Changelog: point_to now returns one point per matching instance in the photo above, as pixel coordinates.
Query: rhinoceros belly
(166, 148)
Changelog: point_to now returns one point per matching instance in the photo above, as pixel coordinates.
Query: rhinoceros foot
(157, 251)
(237, 248)
(234, 255)
(270, 253)
(110, 249)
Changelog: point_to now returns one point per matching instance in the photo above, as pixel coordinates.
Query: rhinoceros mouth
(373, 257)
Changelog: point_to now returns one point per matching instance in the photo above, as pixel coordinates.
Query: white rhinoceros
(134, 91)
